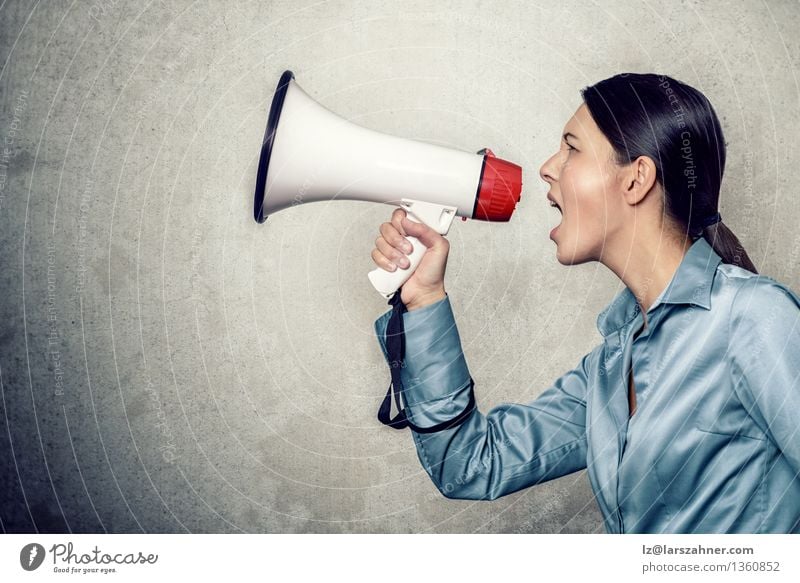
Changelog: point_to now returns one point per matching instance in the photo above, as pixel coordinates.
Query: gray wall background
(168, 365)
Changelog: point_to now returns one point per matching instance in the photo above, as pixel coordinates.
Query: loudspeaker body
(310, 154)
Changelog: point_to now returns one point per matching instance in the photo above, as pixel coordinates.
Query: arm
(490, 455)
(765, 348)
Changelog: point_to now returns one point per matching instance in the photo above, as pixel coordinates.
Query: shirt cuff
(435, 376)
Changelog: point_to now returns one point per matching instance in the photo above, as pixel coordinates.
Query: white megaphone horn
(310, 154)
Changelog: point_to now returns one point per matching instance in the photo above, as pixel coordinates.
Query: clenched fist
(426, 285)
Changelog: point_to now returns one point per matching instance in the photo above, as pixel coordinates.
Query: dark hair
(676, 126)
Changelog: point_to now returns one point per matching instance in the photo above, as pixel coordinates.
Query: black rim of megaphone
(266, 146)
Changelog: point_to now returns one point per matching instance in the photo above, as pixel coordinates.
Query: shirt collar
(690, 284)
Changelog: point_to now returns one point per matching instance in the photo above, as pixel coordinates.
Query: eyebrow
(571, 135)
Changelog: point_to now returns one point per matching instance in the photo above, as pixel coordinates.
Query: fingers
(427, 236)
(391, 247)
(381, 261)
(394, 238)
(395, 256)
(397, 216)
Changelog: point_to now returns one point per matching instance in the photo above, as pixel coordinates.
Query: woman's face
(584, 181)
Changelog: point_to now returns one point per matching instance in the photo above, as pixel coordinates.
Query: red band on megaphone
(499, 189)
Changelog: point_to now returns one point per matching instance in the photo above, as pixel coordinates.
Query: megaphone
(310, 154)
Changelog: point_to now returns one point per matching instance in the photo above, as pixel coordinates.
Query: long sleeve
(487, 456)
(765, 349)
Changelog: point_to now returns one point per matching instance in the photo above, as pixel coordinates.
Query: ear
(638, 177)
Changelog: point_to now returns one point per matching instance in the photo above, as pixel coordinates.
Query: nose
(549, 170)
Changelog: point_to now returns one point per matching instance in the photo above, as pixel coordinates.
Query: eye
(570, 147)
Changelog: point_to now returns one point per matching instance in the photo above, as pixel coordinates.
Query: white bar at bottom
(403, 557)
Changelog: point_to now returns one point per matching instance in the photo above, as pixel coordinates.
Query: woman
(685, 416)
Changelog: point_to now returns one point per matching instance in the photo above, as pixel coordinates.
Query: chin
(563, 261)
(570, 259)
(559, 256)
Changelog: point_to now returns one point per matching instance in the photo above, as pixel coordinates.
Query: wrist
(426, 300)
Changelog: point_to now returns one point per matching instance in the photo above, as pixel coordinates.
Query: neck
(646, 263)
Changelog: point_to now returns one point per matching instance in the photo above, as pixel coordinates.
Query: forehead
(581, 124)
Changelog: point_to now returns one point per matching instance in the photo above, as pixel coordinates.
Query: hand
(426, 284)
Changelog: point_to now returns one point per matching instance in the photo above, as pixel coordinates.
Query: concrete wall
(168, 365)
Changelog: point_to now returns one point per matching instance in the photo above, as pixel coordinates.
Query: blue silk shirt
(713, 444)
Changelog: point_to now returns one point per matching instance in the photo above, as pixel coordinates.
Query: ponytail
(727, 246)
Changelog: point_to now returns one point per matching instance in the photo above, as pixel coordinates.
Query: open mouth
(553, 203)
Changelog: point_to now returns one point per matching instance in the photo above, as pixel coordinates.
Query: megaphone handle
(438, 217)
(388, 282)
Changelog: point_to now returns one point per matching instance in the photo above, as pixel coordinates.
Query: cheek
(585, 187)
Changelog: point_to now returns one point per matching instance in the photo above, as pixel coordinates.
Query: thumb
(426, 235)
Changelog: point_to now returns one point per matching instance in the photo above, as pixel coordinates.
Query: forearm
(482, 456)
(434, 371)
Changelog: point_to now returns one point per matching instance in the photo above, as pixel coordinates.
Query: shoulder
(751, 291)
(757, 305)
